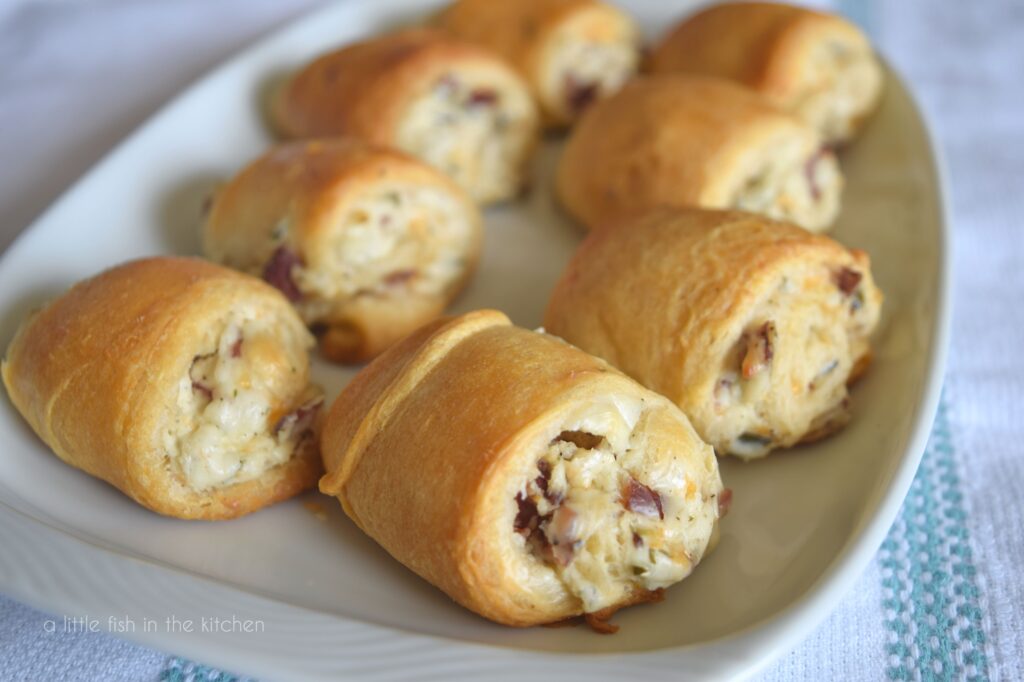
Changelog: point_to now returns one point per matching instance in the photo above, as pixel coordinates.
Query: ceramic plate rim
(788, 627)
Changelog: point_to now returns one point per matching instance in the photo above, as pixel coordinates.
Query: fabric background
(944, 597)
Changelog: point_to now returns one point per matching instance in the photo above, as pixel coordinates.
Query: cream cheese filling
(581, 71)
(245, 404)
(591, 515)
(477, 133)
(788, 184)
(396, 241)
(786, 375)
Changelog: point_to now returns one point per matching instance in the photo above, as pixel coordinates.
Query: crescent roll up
(182, 383)
(529, 481)
(753, 327)
(367, 243)
(694, 141)
(571, 52)
(816, 65)
(454, 105)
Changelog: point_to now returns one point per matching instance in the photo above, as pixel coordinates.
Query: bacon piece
(724, 502)
(199, 384)
(638, 498)
(561, 533)
(203, 389)
(564, 623)
(552, 496)
(811, 171)
(579, 95)
(300, 419)
(399, 277)
(847, 280)
(760, 350)
(482, 97)
(528, 517)
(600, 624)
(545, 475)
(236, 348)
(278, 272)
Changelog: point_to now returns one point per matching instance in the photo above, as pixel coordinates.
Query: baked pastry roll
(456, 106)
(182, 383)
(528, 480)
(818, 66)
(753, 327)
(571, 52)
(367, 243)
(695, 141)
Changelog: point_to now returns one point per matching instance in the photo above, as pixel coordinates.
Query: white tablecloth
(944, 598)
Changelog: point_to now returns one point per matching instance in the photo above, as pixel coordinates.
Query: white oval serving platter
(330, 602)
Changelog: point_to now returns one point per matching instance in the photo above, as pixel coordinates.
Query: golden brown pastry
(752, 327)
(454, 105)
(182, 383)
(571, 52)
(367, 243)
(528, 480)
(695, 141)
(817, 66)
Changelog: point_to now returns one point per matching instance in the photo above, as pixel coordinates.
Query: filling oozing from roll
(593, 511)
(784, 182)
(784, 380)
(476, 132)
(245, 404)
(399, 240)
(582, 68)
(841, 84)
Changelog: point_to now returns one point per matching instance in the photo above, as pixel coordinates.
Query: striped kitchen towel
(944, 597)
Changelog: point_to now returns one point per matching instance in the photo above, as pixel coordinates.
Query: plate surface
(802, 528)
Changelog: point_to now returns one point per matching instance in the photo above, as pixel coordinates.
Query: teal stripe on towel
(930, 596)
(181, 670)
